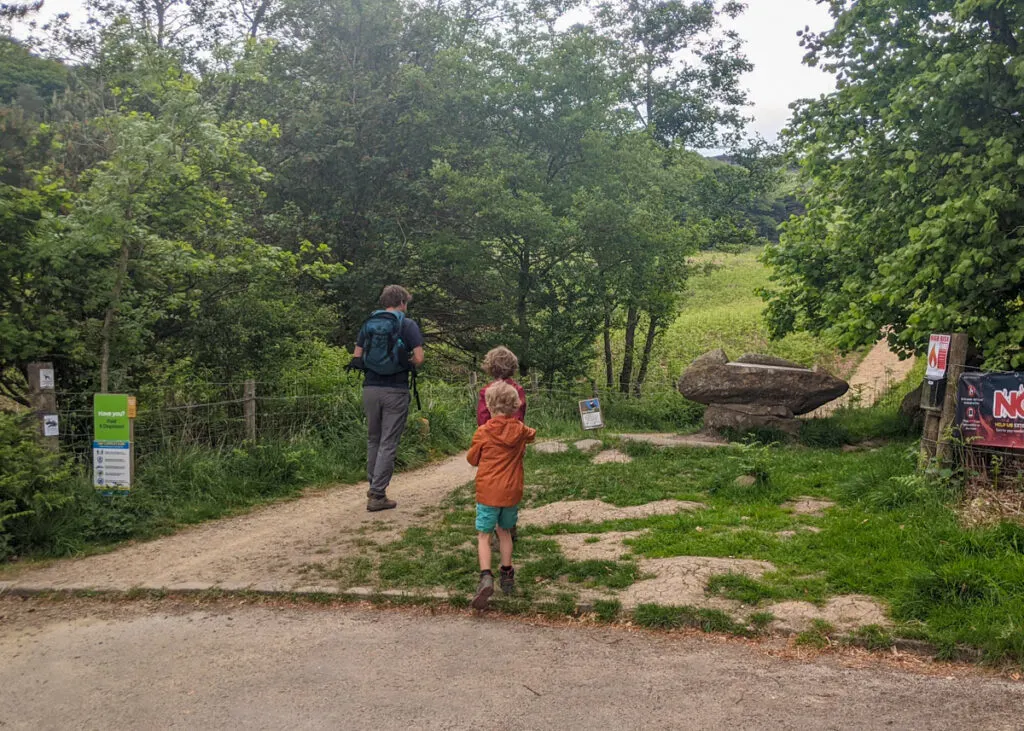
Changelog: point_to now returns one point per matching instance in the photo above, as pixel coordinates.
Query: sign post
(42, 396)
(112, 443)
(947, 355)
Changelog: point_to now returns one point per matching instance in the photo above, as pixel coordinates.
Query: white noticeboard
(51, 425)
(590, 414)
(46, 380)
(111, 465)
(938, 357)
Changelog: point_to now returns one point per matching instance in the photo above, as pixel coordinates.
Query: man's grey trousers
(386, 411)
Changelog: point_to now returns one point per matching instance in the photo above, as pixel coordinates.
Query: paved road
(92, 666)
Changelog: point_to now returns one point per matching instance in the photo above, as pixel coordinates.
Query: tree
(914, 172)
(680, 71)
(11, 11)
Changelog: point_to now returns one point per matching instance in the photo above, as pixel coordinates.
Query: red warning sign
(938, 357)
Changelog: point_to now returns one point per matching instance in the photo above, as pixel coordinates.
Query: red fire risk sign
(938, 357)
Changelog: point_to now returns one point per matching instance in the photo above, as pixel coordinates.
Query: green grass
(657, 616)
(721, 309)
(892, 534)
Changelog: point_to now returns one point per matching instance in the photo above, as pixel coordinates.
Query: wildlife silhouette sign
(990, 409)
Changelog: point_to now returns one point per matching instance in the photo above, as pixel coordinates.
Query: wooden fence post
(249, 409)
(472, 381)
(955, 367)
(42, 396)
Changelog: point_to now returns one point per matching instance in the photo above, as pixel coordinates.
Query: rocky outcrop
(758, 380)
(757, 391)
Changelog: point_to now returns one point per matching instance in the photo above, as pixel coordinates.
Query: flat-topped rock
(550, 447)
(758, 380)
(588, 445)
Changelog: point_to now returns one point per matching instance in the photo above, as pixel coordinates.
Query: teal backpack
(384, 353)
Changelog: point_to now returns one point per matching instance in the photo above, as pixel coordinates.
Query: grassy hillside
(722, 310)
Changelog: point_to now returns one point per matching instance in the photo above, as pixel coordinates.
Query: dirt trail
(265, 549)
(880, 369)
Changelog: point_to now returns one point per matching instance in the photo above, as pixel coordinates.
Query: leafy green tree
(914, 171)
(679, 69)
(25, 78)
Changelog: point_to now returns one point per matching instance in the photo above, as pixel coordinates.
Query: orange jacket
(498, 448)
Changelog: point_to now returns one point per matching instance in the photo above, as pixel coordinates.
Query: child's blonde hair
(500, 362)
(502, 399)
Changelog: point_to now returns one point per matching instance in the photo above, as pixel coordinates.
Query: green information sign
(110, 417)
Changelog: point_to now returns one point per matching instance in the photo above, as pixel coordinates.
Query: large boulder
(713, 379)
(744, 418)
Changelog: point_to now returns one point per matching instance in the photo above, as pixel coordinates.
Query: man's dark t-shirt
(413, 338)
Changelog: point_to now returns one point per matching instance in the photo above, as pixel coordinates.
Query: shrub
(36, 486)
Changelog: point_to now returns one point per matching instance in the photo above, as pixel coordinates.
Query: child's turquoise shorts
(487, 517)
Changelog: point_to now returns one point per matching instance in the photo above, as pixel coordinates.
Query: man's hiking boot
(376, 503)
(507, 580)
(483, 591)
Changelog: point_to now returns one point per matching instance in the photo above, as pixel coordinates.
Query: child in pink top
(500, 364)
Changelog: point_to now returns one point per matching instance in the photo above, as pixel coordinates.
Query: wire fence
(214, 415)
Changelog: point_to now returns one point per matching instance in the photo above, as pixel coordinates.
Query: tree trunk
(609, 371)
(626, 375)
(645, 359)
(108, 319)
(522, 316)
(258, 17)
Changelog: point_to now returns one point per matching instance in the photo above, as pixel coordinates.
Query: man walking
(388, 347)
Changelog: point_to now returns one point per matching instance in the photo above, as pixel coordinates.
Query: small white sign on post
(590, 414)
(46, 379)
(51, 425)
(111, 466)
(938, 357)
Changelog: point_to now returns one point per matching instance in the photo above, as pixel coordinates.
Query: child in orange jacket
(497, 450)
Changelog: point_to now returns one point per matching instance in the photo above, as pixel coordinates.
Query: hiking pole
(416, 390)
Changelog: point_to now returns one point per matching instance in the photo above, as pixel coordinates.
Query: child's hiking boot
(507, 580)
(380, 502)
(483, 591)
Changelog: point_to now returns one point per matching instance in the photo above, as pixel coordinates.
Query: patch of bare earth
(682, 580)
(266, 549)
(843, 612)
(596, 546)
(877, 373)
(552, 447)
(598, 511)
(611, 456)
(678, 440)
(807, 506)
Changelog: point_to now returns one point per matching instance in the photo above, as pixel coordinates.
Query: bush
(36, 488)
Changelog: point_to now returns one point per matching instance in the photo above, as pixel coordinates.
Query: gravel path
(134, 667)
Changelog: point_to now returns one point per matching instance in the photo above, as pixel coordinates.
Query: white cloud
(779, 77)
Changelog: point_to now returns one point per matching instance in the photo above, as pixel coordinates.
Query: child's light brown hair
(502, 399)
(500, 363)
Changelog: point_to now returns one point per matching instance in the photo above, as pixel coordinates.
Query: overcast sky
(769, 29)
